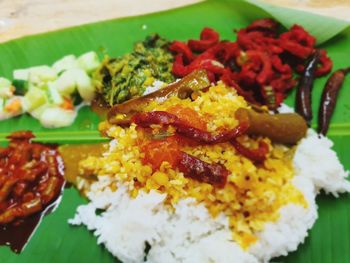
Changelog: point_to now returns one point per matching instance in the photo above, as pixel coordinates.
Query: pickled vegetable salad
(51, 94)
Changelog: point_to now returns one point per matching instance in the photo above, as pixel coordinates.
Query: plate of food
(208, 133)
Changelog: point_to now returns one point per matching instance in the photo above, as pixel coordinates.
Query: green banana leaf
(55, 240)
(322, 27)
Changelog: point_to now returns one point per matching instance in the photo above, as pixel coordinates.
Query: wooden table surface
(26, 17)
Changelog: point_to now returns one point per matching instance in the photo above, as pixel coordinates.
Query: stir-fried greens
(149, 61)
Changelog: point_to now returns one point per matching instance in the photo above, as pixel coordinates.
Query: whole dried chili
(192, 167)
(168, 150)
(303, 96)
(31, 177)
(329, 99)
(256, 155)
(147, 119)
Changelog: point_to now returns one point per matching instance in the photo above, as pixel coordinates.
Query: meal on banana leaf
(196, 173)
(204, 162)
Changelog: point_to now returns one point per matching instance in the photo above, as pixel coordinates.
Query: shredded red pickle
(208, 38)
(261, 57)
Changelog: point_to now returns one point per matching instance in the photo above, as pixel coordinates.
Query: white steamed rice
(190, 234)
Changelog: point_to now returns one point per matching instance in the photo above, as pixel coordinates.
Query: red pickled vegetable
(298, 42)
(296, 49)
(326, 64)
(30, 179)
(264, 71)
(182, 49)
(228, 77)
(267, 25)
(208, 38)
(279, 66)
(260, 59)
(179, 69)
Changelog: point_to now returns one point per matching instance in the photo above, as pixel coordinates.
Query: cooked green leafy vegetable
(119, 79)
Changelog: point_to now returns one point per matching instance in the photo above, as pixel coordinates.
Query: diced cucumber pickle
(34, 98)
(66, 84)
(85, 87)
(56, 117)
(89, 61)
(36, 113)
(65, 63)
(22, 74)
(4, 83)
(53, 94)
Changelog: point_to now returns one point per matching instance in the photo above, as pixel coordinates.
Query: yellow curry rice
(253, 194)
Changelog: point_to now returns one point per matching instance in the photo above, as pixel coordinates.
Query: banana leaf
(55, 240)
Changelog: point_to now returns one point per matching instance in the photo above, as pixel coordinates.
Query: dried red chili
(147, 119)
(329, 99)
(303, 95)
(256, 155)
(168, 150)
(192, 167)
(31, 177)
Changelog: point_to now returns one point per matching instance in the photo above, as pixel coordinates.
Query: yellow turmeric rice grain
(253, 194)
